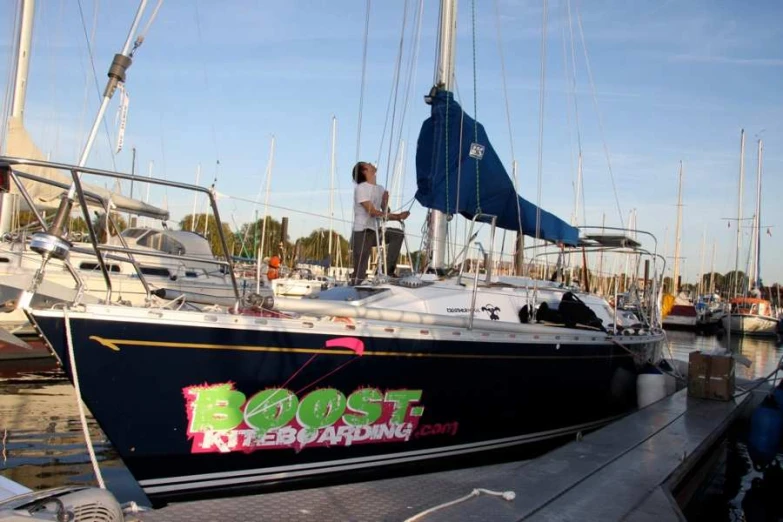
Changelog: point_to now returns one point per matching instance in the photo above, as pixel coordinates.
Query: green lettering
(215, 408)
(366, 402)
(401, 400)
(271, 408)
(321, 408)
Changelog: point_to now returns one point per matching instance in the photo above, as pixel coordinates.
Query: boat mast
(676, 275)
(712, 271)
(260, 252)
(601, 261)
(701, 263)
(735, 283)
(331, 187)
(444, 80)
(575, 220)
(757, 257)
(21, 72)
(23, 58)
(399, 176)
(149, 186)
(195, 200)
(519, 243)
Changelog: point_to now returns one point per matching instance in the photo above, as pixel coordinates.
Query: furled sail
(449, 158)
(47, 197)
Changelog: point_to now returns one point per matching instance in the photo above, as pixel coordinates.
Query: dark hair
(358, 173)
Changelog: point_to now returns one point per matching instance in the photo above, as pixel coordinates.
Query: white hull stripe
(213, 480)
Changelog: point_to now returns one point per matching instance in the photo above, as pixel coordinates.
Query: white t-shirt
(365, 192)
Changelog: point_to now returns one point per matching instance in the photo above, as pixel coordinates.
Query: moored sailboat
(678, 311)
(188, 273)
(753, 315)
(364, 378)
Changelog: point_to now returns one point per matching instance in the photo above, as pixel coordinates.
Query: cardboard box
(711, 376)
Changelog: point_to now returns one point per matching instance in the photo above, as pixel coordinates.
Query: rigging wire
(475, 105)
(576, 106)
(363, 81)
(393, 95)
(90, 39)
(53, 76)
(508, 113)
(413, 60)
(143, 34)
(206, 80)
(541, 106)
(598, 112)
(569, 76)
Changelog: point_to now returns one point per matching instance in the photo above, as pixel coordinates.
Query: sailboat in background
(751, 314)
(677, 310)
(15, 274)
(359, 379)
(134, 281)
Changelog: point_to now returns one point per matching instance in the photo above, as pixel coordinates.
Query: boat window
(191, 273)
(89, 265)
(172, 246)
(155, 271)
(163, 243)
(4, 260)
(150, 240)
(134, 232)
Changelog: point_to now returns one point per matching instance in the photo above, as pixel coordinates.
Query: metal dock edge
(624, 471)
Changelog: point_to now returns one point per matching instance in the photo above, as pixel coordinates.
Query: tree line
(245, 243)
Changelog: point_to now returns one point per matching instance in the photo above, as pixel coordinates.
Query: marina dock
(629, 470)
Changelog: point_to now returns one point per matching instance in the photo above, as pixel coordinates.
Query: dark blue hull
(194, 410)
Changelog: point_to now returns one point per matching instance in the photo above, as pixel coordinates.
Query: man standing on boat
(370, 203)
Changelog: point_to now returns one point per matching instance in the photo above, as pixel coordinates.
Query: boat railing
(105, 203)
(623, 245)
(488, 259)
(8, 170)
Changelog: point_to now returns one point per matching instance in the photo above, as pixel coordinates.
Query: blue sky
(214, 80)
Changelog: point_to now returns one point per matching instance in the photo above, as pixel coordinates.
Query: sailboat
(400, 373)
(750, 314)
(41, 189)
(678, 311)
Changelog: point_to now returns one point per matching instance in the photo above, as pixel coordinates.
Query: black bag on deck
(574, 311)
(549, 315)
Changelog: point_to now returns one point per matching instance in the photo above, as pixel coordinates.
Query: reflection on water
(763, 352)
(737, 491)
(42, 443)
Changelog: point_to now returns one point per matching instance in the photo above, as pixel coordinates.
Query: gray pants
(362, 243)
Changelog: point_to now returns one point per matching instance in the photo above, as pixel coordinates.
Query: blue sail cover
(440, 157)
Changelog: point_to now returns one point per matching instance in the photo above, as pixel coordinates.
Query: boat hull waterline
(224, 405)
(750, 324)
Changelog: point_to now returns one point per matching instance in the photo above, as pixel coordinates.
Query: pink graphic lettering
(352, 343)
